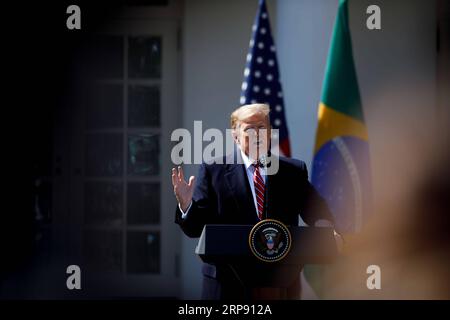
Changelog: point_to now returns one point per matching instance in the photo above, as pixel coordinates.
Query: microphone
(262, 161)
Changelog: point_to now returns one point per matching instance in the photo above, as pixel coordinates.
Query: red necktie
(259, 190)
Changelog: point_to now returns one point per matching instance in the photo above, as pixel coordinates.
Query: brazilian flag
(341, 168)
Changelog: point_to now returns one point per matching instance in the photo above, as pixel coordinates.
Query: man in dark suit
(240, 190)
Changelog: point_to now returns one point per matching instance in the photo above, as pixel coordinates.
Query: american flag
(262, 79)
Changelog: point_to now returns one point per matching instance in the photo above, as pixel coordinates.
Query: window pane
(103, 203)
(143, 106)
(143, 203)
(103, 250)
(143, 154)
(144, 57)
(104, 154)
(106, 56)
(104, 109)
(143, 252)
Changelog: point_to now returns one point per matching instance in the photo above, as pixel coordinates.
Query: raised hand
(183, 190)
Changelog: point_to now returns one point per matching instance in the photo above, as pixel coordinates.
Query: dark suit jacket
(223, 195)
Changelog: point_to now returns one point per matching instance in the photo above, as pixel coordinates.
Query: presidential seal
(270, 240)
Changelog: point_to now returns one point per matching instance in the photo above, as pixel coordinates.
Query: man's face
(253, 135)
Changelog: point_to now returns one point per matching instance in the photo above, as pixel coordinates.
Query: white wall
(397, 74)
(303, 34)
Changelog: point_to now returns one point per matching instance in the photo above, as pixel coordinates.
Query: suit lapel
(237, 182)
(277, 193)
(270, 193)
